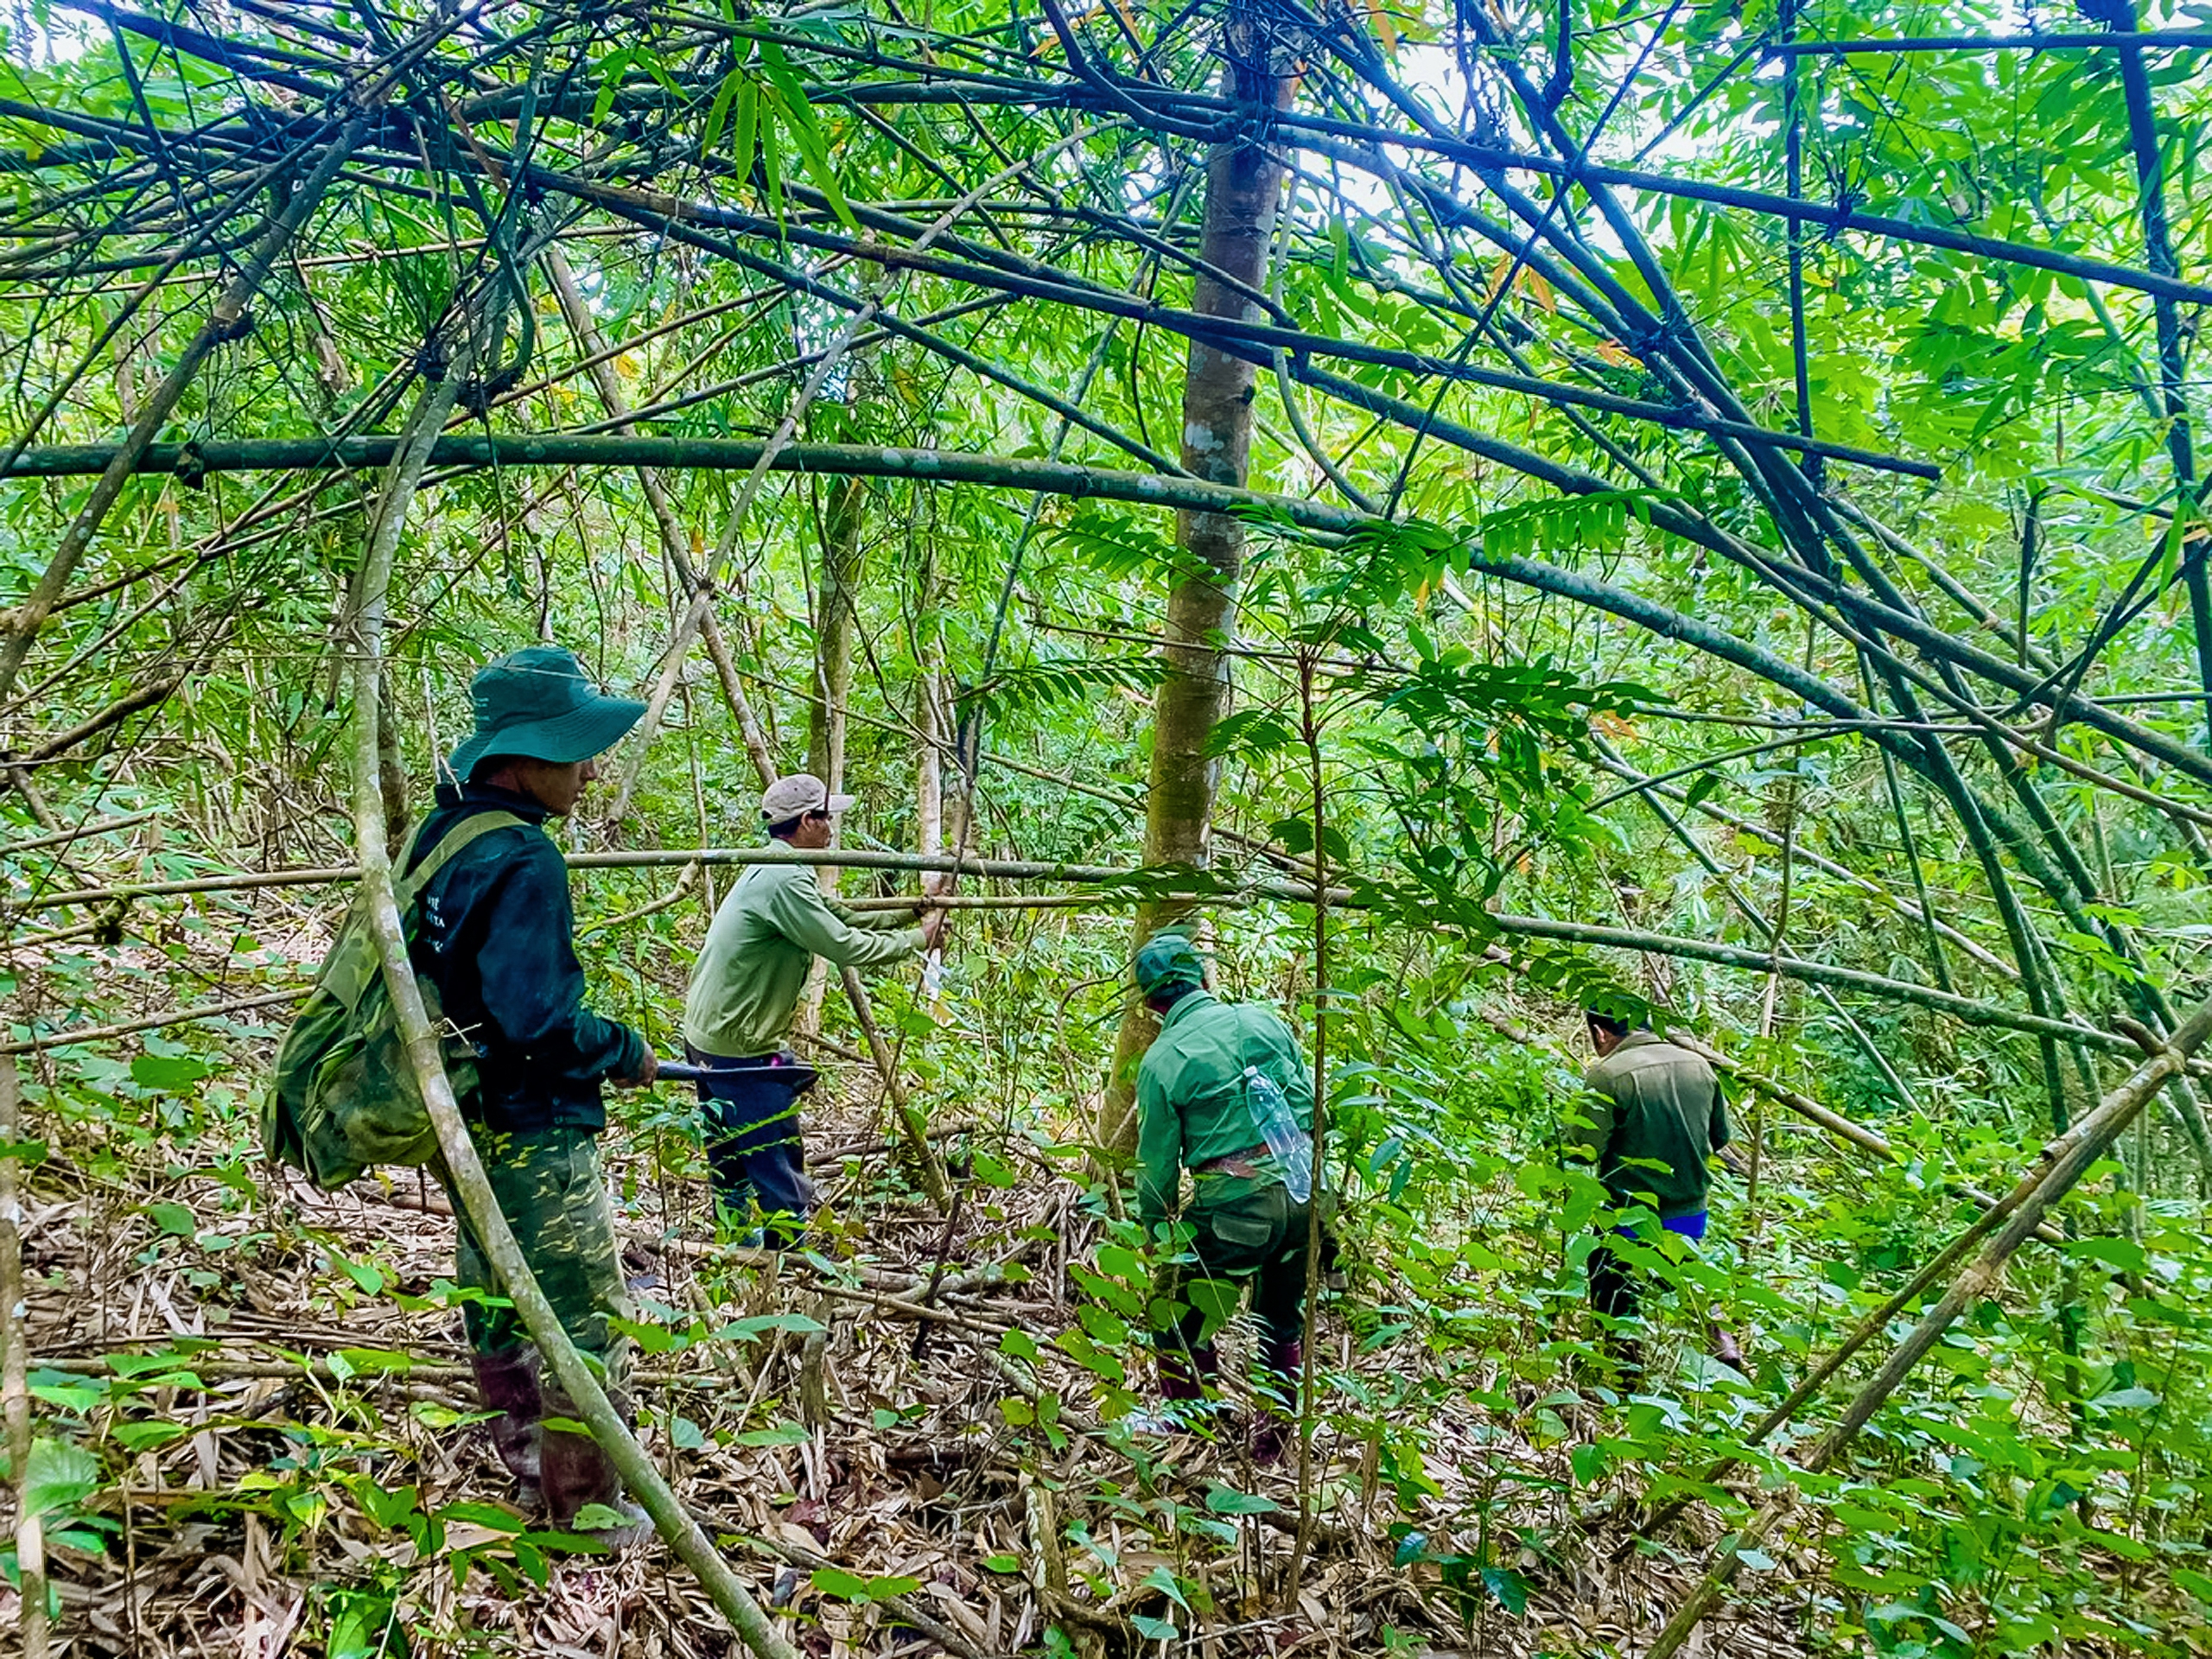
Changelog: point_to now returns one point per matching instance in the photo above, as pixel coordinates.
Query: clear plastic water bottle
(1291, 1141)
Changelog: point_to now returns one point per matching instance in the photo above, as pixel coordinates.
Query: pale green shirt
(760, 946)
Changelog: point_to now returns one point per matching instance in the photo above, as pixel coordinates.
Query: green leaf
(718, 114)
(2134, 1399)
(602, 1517)
(61, 1475)
(1154, 1629)
(387, 1506)
(174, 1218)
(499, 1520)
(431, 1415)
(687, 1435)
(745, 137)
(806, 133)
(138, 1365)
(785, 1433)
(653, 1338)
(1001, 1563)
(1227, 1500)
(1510, 1589)
(143, 1437)
(759, 1325)
(2122, 1253)
(370, 1279)
(835, 1581)
(169, 1074)
(610, 81)
(850, 1586)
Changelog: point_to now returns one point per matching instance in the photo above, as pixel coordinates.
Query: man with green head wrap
(493, 930)
(1225, 1092)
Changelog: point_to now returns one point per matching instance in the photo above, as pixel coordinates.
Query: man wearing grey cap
(745, 989)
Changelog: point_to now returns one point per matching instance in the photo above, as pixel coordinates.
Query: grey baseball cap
(800, 793)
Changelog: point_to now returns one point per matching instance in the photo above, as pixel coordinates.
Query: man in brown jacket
(1653, 1121)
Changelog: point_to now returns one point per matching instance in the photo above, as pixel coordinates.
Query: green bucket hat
(536, 702)
(1168, 959)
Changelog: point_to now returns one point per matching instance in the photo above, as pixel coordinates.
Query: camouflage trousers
(548, 1187)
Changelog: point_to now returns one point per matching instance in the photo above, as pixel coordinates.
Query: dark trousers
(1614, 1290)
(1243, 1234)
(750, 1128)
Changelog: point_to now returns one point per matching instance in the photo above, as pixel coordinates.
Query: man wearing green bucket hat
(1225, 1092)
(494, 930)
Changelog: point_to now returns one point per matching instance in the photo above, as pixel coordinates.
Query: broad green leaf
(60, 1475)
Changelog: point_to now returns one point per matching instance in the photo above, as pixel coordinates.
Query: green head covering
(1168, 960)
(536, 702)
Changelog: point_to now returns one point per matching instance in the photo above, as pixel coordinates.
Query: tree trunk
(931, 727)
(1243, 182)
(835, 597)
(391, 777)
(834, 620)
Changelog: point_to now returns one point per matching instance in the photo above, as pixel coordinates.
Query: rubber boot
(575, 1472)
(1725, 1350)
(1185, 1375)
(507, 1384)
(1281, 1363)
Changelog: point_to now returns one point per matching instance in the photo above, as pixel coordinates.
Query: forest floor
(269, 1370)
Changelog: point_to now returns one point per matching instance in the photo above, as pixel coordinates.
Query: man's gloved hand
(646, 1073)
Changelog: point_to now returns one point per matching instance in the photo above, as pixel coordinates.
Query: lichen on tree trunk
(1244, 176)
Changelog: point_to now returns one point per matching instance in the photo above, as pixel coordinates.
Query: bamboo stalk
(1920, 913)
(63, 837)
(1186, 883)
(1835, 1123)
(507, 450)
(2179, 39)
(14, 1394)
(70, 1038)
(988, 870)
(1003, 901)
(913, 1132)
(1876, 1322)
(598, 361)
(1254, 341)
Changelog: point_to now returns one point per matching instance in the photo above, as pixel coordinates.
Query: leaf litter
(279, 1397)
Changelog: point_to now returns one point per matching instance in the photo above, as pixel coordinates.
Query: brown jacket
(1654, 1117)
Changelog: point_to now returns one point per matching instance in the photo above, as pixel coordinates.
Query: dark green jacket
(1651, 1101)
(495, 932)
(1191, 1104)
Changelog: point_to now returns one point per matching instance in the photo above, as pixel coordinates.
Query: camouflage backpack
(345, 1098)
